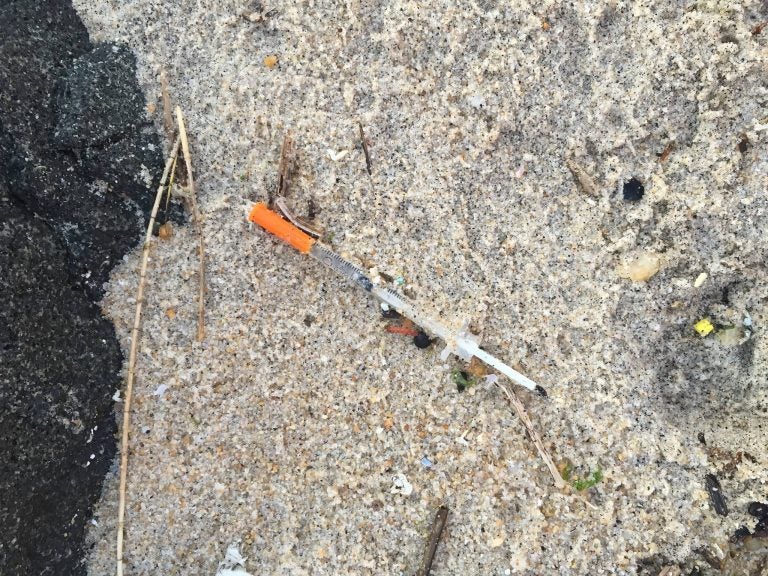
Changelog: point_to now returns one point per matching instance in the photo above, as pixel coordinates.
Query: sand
(282, 430)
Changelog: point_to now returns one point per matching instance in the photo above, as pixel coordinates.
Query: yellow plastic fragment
(704, 327)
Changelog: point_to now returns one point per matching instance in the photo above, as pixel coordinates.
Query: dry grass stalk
(198, 225)
(132, 359)
(167, 116)
(526, 420)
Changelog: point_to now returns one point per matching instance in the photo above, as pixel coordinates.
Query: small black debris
(421, 340)
(758, 509)
(701, 438)
(390, 313)
(633, 190)
(744, 145)
(308, 320)
(541, 391)
(741, 532)
(716, 494)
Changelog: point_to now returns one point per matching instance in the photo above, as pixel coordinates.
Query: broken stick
(284, 168)
(438, 524)
(364, 142)
(526, 420)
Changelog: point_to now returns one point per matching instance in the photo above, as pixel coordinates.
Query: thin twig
(364, 141)
(132, 359)
(198, 225)
(167, 116)
(526, 420)
(438, 524)
(170, 187)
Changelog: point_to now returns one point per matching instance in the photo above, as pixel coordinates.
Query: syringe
(460, 342)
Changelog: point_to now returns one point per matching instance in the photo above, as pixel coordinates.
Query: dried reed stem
(132, 359)
(526, 420)
(167, 116)
(287, 158)
(198, 225)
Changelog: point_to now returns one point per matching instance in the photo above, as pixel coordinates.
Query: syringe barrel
(343, 267)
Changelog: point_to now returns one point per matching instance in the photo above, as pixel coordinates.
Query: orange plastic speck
(275, 224)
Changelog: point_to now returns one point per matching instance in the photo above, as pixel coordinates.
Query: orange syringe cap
(273, 223)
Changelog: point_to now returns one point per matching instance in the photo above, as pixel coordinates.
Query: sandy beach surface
(501, 136)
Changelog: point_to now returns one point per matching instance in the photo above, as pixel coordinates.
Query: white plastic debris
(116, 396)
(490, 380)
(233, 563)
(160, 390)
(400, 485)
(700, 279)
(336, 156)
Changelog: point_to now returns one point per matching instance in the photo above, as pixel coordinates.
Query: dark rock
(633, 190)
(76, 157)
(758, 509)
(740, 532)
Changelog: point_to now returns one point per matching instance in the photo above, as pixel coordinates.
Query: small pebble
(633, 190)
(641, 269)
(165, 231)
(270, 61)
(700, 279)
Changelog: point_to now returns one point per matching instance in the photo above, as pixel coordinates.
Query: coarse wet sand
(500, 137)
